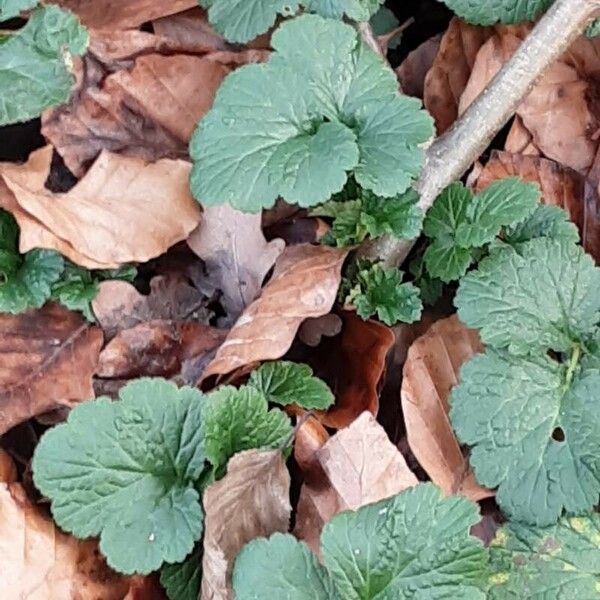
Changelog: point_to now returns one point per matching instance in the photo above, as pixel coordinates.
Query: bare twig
(450, 155)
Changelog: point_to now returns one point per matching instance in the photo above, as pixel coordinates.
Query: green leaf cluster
(489, 12)
(460, 224)
(30, 280)
(359, 215)
(13, 8)
(414, 545)
(131, 471)
(36, 62)
(374, 289)
(528, 407)
(322, 107)
(243, 20)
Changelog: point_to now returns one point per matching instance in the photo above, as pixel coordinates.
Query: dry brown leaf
(414, 68)
(160, 349)
(236, 254)
(119, 305)
(309, 438)
(311, 332)
(451, 70)
(560, 185)
(124, 210)
(304, 285)
(519, 140)
(561, 113)
(48, 358)
(430, 372)
(361, 466)
(123, 14)
(251, 501)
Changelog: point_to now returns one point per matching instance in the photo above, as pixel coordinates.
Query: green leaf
(446, 261)
(383, 22)
(35, 64)
(125, 471)
(379, 291)
(413, 545)
(489, 12)
(533, 433)
(357, 10)
(285, 382)
(593, 29)
(545, 296)
(13, 8)
(562, 561)
(332, 108)
(182, 580)
(546, 221)
(240, 419)
(430, 288)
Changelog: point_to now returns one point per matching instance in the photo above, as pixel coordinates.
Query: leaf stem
(573, 362)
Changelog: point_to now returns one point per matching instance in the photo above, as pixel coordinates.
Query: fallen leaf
(561, 113)
(124, 210)
(304, 285)
(119, 305)
(160, 349)
(412, 71)
(48, 359)
(309, 438)
(236, 254)
(446, 80)
(431, 371)
(122, 14)
(560, 185)
(251, 501)
(8, 469)
(311, 331)
(519, 140)
(360, 466)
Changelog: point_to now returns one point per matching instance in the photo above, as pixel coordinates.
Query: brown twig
(450, 155)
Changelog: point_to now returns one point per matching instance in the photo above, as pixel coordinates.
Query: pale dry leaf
(48, 358)
(236, 254)
(519, 140)
(414, 68)
(431, 371)
(360, 466)
(560, 186)
(310, 436)
(304, 285)
(124, 210)
(123, 14)
(252, 500)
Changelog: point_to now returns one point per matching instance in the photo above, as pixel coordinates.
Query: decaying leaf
(360, 466)
(251, 501)
(430, 372)
(124, 210)
(160, 349)
(119, 305)
(560, 185)
(304, 285)
(312, 330)
(236, 254)
(48, 358)
(413, 69)
(122, 14)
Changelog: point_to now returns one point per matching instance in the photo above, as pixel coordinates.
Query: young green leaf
(489, 12)
(333, 108)
(377, 290)
(545, 296)
(562, 561)
(285, 382)
(357, 10)
(25, 281)
(546, 221)
(239, 419)
(430, 288)
(182, 580)
(125, 471)
(414, 545)
(35, 64)
(13, 8)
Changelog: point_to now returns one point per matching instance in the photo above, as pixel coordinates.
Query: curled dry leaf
(311, 332)
(122, 14)
(414, 68)
(236, 254)
(48, 358)
(430, 372)
(360, 465)
(124, 210)
(251, 501)
(304, 285)
(560, 185)
(160, 349)
(119, 305)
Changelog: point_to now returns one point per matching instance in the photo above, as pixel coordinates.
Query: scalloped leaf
(489, 12)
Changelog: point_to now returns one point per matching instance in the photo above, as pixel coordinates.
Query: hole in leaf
(555, 356)
(558, 435)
